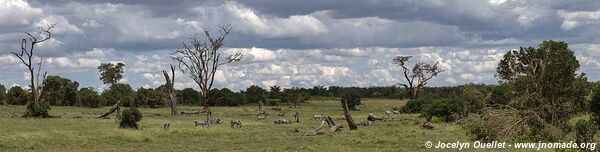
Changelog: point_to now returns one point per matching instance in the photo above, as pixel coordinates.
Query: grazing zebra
(261, 117)
(317, 117)
(236, 123)
(388, 113)
(201, 123)
(282, 121)
(166, 125)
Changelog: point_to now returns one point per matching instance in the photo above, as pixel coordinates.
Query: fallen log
(190, 113)
(194, 112)
(333, 127)
(372, 117)
(115, 108)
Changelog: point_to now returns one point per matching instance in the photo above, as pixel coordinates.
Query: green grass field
(77, 129)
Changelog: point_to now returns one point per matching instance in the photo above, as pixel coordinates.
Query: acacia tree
(200, 60)
(111, 73)
(551, 90)
(35, 107)
(418, 76)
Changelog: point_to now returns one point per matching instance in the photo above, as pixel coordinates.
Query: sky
(295, 43)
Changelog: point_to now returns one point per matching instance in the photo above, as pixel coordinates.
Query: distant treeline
(59, 91)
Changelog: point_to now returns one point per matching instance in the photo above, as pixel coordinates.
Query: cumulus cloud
(578, 18)
(297, 43)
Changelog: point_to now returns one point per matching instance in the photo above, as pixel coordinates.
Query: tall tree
(87, 97)
(418, 76)
(550, 88)
(146, 98)
(110, 73)
(17, 96)
(60, 91)
(200, 60)
(2, 94)
(119, 93)
(35, 107)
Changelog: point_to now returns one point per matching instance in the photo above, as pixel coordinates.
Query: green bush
(415, 105)
(585, 131)
(595, 105)
(130, 118)
(39, 109)
(352, 99)
(443, 108)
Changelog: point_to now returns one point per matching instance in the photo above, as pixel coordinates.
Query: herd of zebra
(236, 123)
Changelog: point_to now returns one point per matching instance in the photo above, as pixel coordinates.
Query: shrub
(414, 105)
(130, 118)
(585, 131)
(595, 105)
(491, 125)
(39, 109)
(443, 108)
(352, 99)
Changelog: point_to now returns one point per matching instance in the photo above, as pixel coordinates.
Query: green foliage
(188, 96)
(595, 104)
(60, 91)
(87, 97)
(110, 73)
(255, 93)
(585, 131)
(415, 105)
(352, 99)
(444, 108)
(2, 94)
(225, 97)
(119, 91)
(550, 88)
(501, 95)
(471, 100)
(17, 96)
(130, 118)
(146, 98)
(39, 110)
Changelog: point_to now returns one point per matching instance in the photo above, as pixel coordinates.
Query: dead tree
(261, 106)
(418, 76)
(170, 83)
(297, 117)
(200, 59)
(349, 119)
(333, 127)
(26, 56)
(115, 108)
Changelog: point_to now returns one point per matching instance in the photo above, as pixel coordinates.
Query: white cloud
(93, 23)
(63, 26)
(17, 12)
(273, 27)
(578, 18)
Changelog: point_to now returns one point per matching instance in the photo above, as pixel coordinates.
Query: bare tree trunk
(349, 119)
(261, 106)
(171, 90)
(208, 118)
(297, 117)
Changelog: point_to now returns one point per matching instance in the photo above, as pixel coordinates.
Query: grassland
(77, 129)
